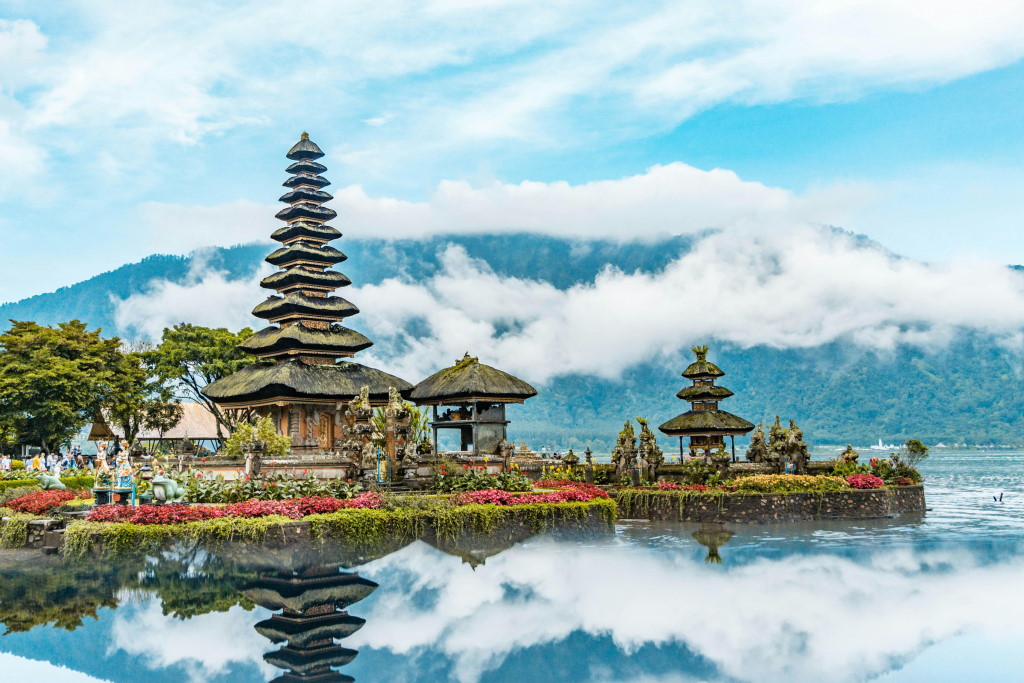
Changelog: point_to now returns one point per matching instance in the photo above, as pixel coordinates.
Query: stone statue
(849, 455)
(651, 456)
(777, 446)
(796, 449)
(506, 449)
(49, 482)
(571, 459)
(167, 490)
(758, 451)
(624, 453)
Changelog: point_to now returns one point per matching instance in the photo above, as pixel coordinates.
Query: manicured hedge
(76, 482)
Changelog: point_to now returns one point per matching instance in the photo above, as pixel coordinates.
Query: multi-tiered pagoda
(704, 423)
(302, 378)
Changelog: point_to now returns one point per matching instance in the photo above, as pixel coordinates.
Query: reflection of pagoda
(313, 617)
(704, 423)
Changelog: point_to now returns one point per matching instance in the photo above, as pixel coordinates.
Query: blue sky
(128, 129)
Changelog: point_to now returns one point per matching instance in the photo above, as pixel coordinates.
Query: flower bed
(365, 529)
(865, 481)
(295, 508)
(578, 493)
(41, 502)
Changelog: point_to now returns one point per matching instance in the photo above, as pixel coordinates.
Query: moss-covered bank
(718, 506)
(365, 530)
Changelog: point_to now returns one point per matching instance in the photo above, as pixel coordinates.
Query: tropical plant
(262, 433)
(450, 478)
(200, 489)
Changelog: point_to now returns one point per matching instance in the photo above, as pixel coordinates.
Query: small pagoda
(313, 617)
(704, 423)
(473, 396)
(303, 379)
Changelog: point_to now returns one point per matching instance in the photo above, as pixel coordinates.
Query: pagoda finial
(305, 135)
(700, 351)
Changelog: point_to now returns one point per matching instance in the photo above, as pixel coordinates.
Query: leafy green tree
(915, 452)
(53, 379)
(191, 356)
(140, 398)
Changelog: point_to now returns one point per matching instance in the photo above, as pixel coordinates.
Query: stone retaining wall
(770, 507)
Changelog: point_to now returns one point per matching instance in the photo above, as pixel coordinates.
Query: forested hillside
(969, 392)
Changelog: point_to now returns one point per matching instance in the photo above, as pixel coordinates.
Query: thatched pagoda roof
(298, 305)
(306, 166)
(294, 337)
(471, 380)
(709, 422)
(294, 379)
(305, 253)
(297, 276)
(301, 630)
(704, 392)
(314, 180)
(305, 194)
(309, 660)
(306, 210)
(304, 149)
(702, 369)
(300, 593)
(305, 229)
(327, 676)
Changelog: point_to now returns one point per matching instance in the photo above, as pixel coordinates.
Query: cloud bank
(787, 288)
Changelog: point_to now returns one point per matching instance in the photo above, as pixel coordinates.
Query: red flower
(865, 481)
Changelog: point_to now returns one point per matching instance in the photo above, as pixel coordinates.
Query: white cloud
(527, 70)
(666, 200)
(198, 644)
(205, 297)
(827, 618)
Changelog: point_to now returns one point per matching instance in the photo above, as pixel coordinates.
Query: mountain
(968, 392)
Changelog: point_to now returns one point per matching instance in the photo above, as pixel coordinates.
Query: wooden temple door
(326, 432)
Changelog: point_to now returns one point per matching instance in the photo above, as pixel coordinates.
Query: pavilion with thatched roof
(475, 396)
(303, 377)
(705, 424)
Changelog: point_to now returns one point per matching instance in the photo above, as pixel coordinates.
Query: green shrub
(17, 464)
(452, 478)
(785, 483)
(274, 487)
(263, 432)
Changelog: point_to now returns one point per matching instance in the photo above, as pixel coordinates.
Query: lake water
(938, 597)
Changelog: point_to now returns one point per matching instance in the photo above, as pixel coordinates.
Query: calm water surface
(938, 597)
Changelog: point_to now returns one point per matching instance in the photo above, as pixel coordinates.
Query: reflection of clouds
(17, 668)
(206, 645)
(800, 618)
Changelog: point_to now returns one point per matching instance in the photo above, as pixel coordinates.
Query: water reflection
(312, 619)
(906, 599)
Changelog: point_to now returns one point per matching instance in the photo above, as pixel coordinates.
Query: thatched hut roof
(296, 380)
(306, 166)
(100, 430)
(706, 422)
(196, 423)
(305, 194)
(298, 276)
(306, 210)
(311, 660)
(471, 380)
(314, 180)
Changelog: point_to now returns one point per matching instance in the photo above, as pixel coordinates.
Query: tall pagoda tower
(303, 376)
(704, 423)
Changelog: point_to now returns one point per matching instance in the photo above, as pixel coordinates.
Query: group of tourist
(53, 463)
